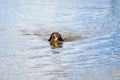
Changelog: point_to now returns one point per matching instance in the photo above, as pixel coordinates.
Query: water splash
(67, 36)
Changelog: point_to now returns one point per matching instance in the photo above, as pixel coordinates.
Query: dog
(55, 36)
(56, 40)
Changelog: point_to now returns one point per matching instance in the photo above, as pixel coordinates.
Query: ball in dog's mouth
(56, 39)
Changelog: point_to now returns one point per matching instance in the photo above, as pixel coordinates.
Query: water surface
(91, 50)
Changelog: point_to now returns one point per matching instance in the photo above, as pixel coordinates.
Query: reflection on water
(56, 44)
(90, 30)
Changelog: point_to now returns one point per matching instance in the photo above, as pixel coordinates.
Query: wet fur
(56, 44)
(57, 34)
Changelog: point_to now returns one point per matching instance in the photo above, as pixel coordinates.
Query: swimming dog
(56, 40)
(55, 36)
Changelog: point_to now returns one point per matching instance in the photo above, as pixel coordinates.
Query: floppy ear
(50, 37)
(60, 38)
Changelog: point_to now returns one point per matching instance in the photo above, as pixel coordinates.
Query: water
(91, 29)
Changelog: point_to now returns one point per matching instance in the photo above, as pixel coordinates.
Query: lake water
(90, 28)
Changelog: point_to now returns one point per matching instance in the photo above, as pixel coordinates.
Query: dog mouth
(55, 38)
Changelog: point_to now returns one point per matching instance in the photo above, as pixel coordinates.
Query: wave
(68, 36)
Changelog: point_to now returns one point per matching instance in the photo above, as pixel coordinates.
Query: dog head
(55, 36)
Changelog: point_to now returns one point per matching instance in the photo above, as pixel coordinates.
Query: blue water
(90, 28)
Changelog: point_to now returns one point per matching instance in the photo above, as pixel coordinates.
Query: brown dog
(56, 40)
(55, 36)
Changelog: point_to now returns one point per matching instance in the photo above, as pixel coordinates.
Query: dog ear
(60, 37)
(50, 37)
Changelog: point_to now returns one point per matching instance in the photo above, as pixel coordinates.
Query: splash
(67, 36)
